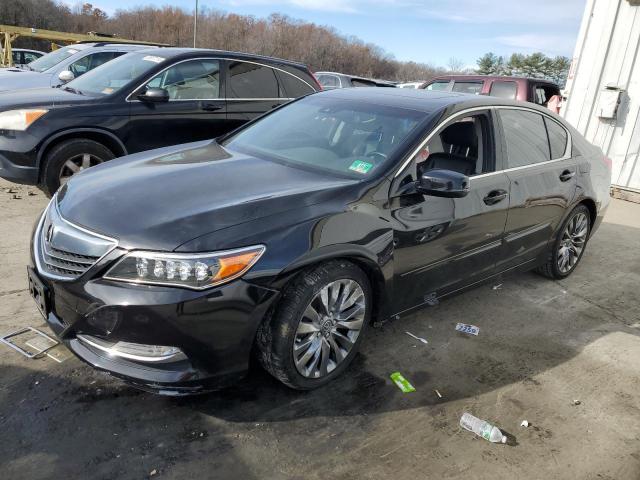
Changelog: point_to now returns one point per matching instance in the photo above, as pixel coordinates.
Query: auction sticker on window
(153, 58)
(360, 166)
(470, 329)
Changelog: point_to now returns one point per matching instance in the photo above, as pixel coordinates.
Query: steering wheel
(376, 154)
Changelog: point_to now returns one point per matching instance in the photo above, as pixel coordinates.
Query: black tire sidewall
(556, 245)
(296, 298)
(65, 150)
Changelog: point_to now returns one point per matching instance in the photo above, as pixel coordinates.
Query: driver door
(443, 244)
(195, 109)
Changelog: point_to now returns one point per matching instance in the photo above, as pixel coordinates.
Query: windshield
(350, 138)
(113, 75)
(52, 59)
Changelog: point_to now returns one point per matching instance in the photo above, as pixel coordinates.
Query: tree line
(320, 47)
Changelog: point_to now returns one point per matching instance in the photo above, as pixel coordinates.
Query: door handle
(566, 175)
(211, 107)
(495, 196)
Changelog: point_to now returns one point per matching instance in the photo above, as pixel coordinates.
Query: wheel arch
(104, 137)
(591, 206)
(364, 259)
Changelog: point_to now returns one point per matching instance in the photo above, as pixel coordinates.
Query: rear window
(502, 89)
(293, 86)
(250, 80)
(473, 88)
(329, 81)
(438, 85)
(362, 83)
(526, 137)
(557, 138)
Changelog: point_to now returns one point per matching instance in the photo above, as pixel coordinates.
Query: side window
(473, 88)
(89, 62)
(293, 87)
(29, 57)
(465, 146)
(504, 89)
(16, 57)
(190, 80)
(249, 80)
(329, 81)
(557, 138)
(356, 82)
(525, 136)
(438, 85)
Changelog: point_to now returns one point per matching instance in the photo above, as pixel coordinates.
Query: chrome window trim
(222, 98)
(567, 153)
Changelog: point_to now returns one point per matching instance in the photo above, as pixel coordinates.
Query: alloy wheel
(572, 243)
(329, 328)
(76, 164)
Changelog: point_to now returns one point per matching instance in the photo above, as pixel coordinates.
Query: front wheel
(318, 326)
(568, 248)
(70, 157)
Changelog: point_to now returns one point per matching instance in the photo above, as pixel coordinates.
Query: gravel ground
(542, 345)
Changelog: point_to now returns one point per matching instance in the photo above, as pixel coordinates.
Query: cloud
(534, 42)
(339, 6)
(523, 12)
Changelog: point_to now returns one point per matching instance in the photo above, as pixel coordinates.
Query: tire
(291, 326)
(74, 150)
(555, 268)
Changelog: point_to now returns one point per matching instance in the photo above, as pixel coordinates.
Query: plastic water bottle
(482, 428)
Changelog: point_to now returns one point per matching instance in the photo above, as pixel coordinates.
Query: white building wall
(607, 53)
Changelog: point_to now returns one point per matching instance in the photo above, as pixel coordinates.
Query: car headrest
(462, 134)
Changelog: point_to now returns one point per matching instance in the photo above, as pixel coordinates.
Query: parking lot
(565, 356)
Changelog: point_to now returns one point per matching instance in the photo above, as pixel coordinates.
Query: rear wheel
(568, 248)
(317, 328)
(71, 157)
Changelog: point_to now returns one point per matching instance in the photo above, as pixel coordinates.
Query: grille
(65, 251)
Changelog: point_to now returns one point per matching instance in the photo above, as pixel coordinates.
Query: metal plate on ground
(10, 340)
(59, 353)
(470, 329)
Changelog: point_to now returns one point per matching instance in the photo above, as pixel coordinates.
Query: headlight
(190, 270)
(19, 119)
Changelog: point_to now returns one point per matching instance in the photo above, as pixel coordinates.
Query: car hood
(163, 198)
(14, 79)
(39, 97)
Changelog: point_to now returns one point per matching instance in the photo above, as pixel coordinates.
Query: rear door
(442, 244)
(251, 89)
(195, 110)
(543, 182)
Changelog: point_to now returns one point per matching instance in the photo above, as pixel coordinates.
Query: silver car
(63, 65)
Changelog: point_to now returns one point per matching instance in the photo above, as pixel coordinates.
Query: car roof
(177, 52)
(423, 100)
(356, 77)
(491, 77)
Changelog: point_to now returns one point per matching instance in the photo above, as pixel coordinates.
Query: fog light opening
(134, 351)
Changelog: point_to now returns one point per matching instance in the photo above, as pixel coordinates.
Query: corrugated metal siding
(608, 53)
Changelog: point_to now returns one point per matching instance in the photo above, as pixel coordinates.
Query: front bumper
(214, 329)
(19, 156)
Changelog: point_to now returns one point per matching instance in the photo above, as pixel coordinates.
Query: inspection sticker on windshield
(152, 58)
(470, 329)
(360, 166)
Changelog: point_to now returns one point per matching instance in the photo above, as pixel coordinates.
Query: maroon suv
(532, 90)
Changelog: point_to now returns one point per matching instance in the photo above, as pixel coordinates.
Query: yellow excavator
(9, 33)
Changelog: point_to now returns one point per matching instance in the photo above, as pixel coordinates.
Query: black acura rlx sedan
(286, 238)
(147, 99)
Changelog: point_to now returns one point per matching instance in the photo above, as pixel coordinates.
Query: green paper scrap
(360, 166)
(402, 383)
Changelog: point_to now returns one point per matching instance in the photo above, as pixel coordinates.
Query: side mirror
(155, 95)
(66, 76)
(443, 183)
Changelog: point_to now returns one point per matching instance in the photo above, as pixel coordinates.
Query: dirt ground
(542, 345)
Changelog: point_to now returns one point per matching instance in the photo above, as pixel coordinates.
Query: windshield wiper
(72, 90)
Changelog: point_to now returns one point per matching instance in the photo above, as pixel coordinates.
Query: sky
(427, 31)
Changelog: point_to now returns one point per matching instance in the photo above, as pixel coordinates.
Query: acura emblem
(49, 234)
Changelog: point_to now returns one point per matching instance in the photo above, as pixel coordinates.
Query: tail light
(607, 162)
(316, 80)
